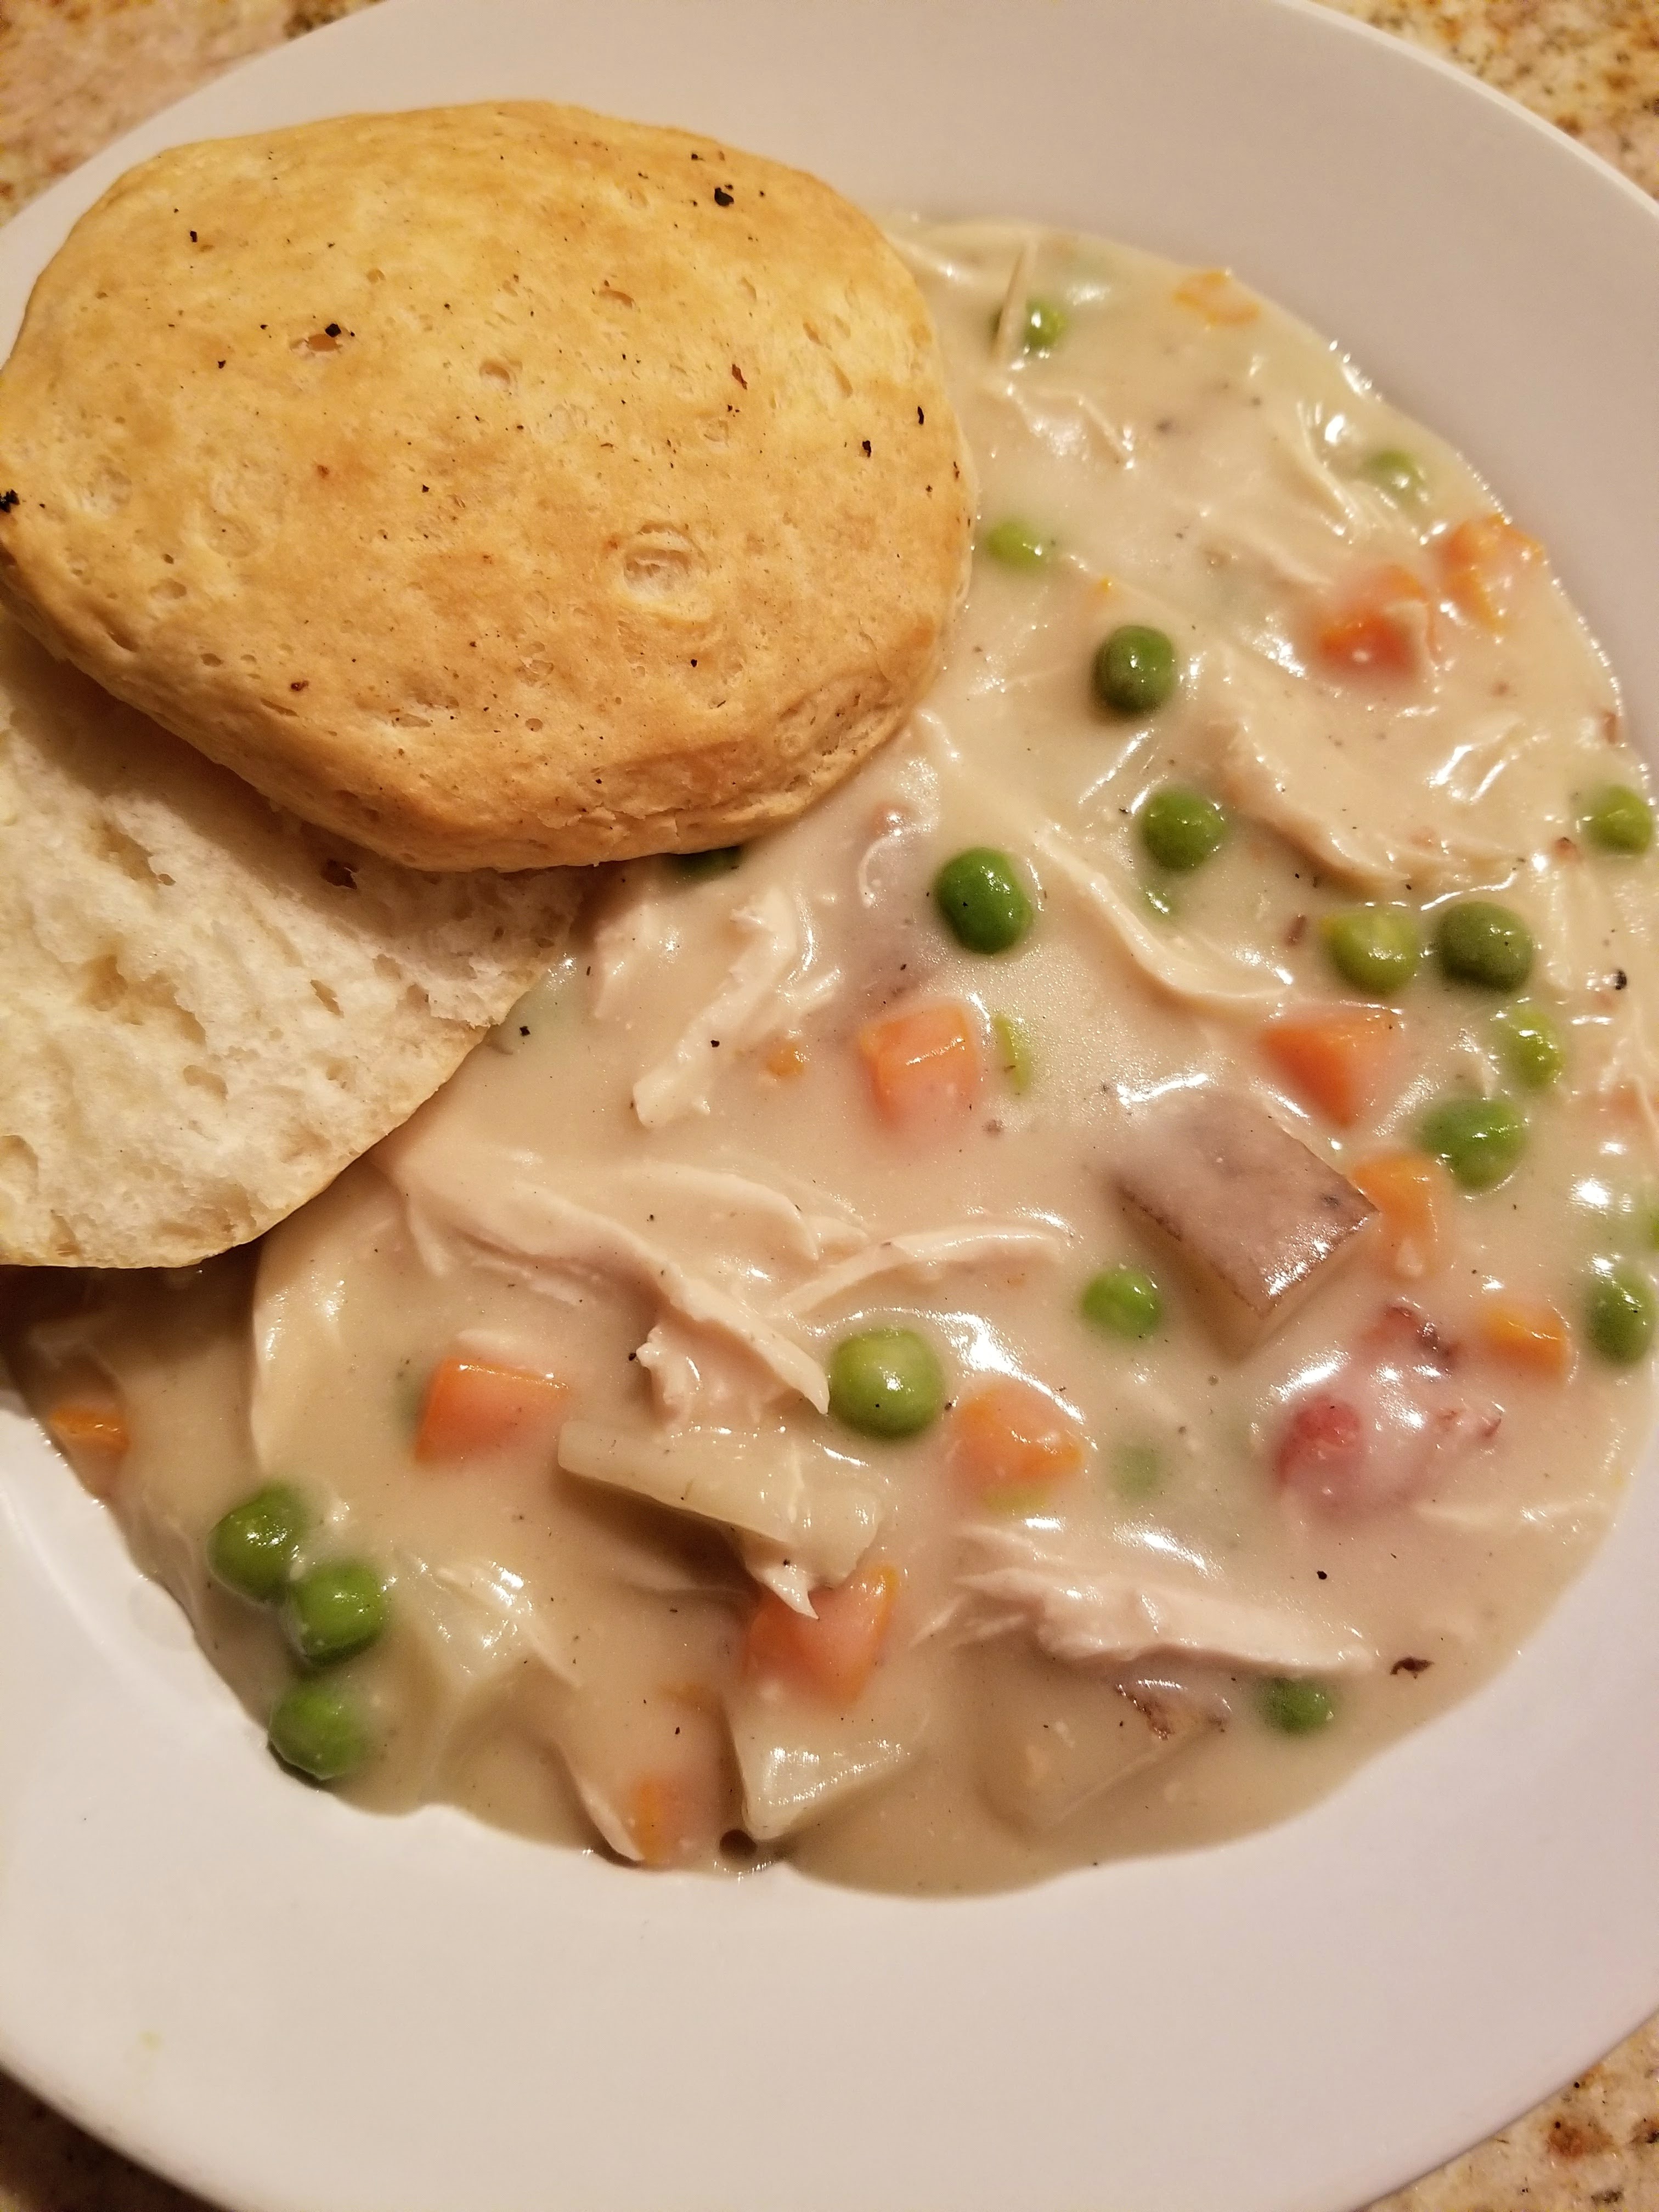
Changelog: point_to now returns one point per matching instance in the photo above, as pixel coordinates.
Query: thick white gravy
(668, 1183)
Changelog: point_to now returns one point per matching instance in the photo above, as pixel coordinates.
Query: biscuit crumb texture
(208, 1008)
(496, 485)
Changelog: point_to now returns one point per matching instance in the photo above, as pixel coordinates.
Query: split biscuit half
(495, 486)
(207, 1007)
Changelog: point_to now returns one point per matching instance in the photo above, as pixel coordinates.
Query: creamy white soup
(1048, 1310)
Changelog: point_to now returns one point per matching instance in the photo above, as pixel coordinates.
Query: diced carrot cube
(471, 1406)
(923, 1064)
(1217, 294)
(93, 1435)
(834, 1656)
(1385, 626)
(1333, 1060)
(1525, 1334)
(1009, 1441)
(1412, 1192)
(1480, 563)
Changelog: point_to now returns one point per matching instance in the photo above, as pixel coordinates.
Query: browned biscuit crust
(493, 485)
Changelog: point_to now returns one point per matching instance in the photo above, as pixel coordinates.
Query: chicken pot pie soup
(1046, 1310)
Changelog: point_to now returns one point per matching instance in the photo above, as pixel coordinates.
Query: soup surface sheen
(1237, 1226)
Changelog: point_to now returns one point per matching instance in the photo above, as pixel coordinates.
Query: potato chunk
(1252, 1218)
(1052, 1739)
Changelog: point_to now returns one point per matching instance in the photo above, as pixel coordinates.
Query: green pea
(981, 897)
(1480, 1140)
(1016, 545)
(317, 1730)
(335, 1610)
(1295, 1707)
(1044, 325)
(886, 1382)
(1137, 1469)
(1618, 819)
(1530, 1045)
(1479, 942)
(1125, 1300)
(1135, 670)
(1620, 1311)
(719, 861)
(1013, 1044)
(1180, 828)
(1375, 948)
(253, 1549)
(1397, 475)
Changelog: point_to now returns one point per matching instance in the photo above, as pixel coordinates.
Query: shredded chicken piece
(484, 1621)
(1092, 1608)
(504, 1219)
(698, 1379)
(1181, 964)
(299, 1303)
(725, 1195)
(927, 1252)
(778, 1570)
(637, 929)
(1012, 315)
(821, 1509)
(908, 811)
(1417, 803)
(1070, 424)
(767, 989)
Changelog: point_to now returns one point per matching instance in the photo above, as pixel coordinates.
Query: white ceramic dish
(297, 2009)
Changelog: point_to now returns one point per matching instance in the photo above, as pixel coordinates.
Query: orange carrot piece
(473, 1406)
(1480, 564)
(1525, 1332)
(1412, 1192)
(1385, 626)
(1010, 1443)
(834, 1656)
(1333, 1060)
(1217, 294)
(93, 1435)
(923, 1064)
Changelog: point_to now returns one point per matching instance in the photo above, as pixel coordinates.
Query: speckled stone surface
(74, 73)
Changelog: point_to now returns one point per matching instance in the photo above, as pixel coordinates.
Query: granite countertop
(74, 73)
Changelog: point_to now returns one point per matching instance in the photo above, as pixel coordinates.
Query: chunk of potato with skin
(797, 1756)
(1052, 1738)
(1252, 1219)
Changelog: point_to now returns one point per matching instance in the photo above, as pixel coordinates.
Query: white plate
(297, 2009)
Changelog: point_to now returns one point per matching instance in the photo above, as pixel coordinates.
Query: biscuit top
(493, 485)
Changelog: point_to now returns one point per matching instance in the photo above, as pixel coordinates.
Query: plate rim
(115, 2117)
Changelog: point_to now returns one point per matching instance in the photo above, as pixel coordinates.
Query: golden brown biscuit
(495, 485)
